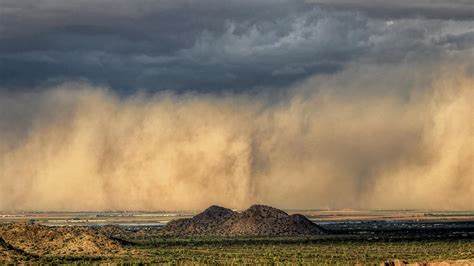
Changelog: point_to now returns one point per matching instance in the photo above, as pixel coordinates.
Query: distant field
(161, 218)
(95, 218)
(385, 215)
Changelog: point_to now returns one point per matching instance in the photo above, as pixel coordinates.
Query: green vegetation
(320, 252)
(289, 250)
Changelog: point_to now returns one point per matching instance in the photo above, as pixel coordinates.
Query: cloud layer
(215, 46)
(431, 9)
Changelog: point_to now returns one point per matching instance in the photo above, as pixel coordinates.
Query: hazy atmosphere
(165, 105)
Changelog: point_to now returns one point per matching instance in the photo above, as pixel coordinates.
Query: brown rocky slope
(258, 220)
(9, 254)
(42, 240)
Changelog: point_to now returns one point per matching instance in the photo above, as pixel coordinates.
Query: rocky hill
(40, 240)
(258, 220)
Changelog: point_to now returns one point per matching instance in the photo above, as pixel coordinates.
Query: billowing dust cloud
(368, 137)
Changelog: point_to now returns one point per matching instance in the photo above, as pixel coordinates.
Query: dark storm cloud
(210, 45)
(432, 9)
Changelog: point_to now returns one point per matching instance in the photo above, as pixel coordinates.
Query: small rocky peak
(215, 212)
(264, 211)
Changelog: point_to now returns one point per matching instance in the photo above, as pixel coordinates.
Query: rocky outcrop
(258, 220)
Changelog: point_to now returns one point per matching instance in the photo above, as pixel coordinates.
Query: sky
(180, 104)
